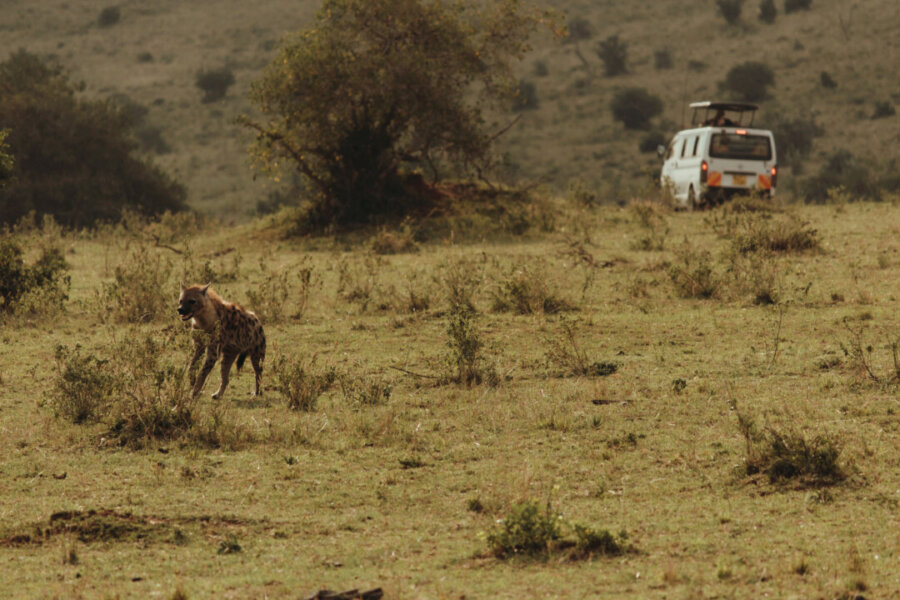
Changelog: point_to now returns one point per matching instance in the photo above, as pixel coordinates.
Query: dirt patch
(105, 525)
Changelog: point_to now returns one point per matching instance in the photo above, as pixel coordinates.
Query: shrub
(826, 81)
(786, 233)
(579, 29)
(795, 5)
(527, 291)
(590, 542)
(842, 170)
(301, 383)
(794, 137)
(650, 216)
(361, 391)
(528, 530)
(75, 159)
(460, 280)
(693, 275)
(635, 107)
(109, 16)
(214, 83)
(662, 59)
(466, 363)
(82, 387)
(767, 11)
(566, 353)
(730, 10)
(268, 297)
(883, 109)
(790, 456)
(614, 54)
(141, 290)
(749, 81)
(6, 159)
(47, 281)
(525, 96)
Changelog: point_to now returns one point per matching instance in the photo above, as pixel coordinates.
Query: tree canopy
(73, 158)
(379, 88)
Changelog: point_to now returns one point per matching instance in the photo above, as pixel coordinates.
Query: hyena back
(232, 333)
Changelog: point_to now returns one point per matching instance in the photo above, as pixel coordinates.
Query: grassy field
(152, 55)
(399, 478)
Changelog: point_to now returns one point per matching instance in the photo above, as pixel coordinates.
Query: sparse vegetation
(795, 5)
(109, 16)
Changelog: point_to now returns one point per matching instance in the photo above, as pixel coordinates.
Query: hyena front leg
(199, 346)
(212, 355)
(227, 360)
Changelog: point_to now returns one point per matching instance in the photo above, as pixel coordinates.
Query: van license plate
(739, 179)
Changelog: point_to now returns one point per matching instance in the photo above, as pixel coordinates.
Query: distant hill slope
(153, 53)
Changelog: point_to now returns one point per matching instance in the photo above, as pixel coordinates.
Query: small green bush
(614, 54)
(591, 542)
(884, 109)
(528, 530)
(788, 456)
(527, 291)
(565, 352)
(693, 274)
(767, 11)
(466, 364)
(784, 233)
(301, 383)
(794, 137)
(749, 81)
(635, 107)
(361, 391)
(214, 83)
(46, 282)
(141, 290)
(730, 10)
(109, 16)
(662, 59)
(826, 81)
(82, 387)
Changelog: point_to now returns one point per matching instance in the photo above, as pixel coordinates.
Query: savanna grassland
(152, 54)
(634, 369)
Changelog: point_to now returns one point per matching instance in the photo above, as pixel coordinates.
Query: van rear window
(743, 147)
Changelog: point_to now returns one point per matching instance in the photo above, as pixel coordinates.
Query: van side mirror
(660, 150)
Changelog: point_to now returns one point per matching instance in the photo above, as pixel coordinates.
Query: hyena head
(193, 301)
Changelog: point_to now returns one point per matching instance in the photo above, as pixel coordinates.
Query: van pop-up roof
(740, 114)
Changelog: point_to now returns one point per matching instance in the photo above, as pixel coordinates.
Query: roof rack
(707, 112)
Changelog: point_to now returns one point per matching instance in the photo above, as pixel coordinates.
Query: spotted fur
(232, 332)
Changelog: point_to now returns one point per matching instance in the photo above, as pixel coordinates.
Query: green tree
(749, 81)
(634, 107)
(378, 88)
(73, 158)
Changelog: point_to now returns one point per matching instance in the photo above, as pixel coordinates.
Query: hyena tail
(240, 360)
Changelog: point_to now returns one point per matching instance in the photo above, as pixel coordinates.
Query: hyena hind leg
(227, 361)
(256, 359)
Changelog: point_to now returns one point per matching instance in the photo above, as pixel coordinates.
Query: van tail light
(704, 171)
(774, 175)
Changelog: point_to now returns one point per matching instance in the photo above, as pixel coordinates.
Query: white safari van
(721, 155)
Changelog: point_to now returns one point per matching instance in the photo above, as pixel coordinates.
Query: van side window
(696, 142)
(684, 144)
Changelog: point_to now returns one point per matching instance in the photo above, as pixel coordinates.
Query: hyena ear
(182, 286)
(206, 288)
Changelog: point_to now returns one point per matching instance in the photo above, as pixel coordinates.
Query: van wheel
(692, 199)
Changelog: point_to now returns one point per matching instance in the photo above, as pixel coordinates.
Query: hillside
(153, 53)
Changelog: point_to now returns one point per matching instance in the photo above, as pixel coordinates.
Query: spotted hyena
(233, 333)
